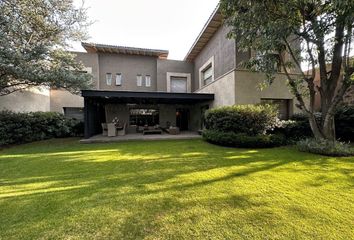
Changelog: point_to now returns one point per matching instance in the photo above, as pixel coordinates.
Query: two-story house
(141, 86)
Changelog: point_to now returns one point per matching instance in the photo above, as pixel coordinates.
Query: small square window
(139, 80)
(148, 81)
(178, 84)
(118, 79)
(109, 78)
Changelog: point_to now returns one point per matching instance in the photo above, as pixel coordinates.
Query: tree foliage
(289, 33)
(34, 38)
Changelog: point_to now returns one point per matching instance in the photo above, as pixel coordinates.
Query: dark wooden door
(182, 117)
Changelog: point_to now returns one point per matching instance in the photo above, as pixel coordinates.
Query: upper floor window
(178, 84)
(109, 78)
(269, 58)
(118, 79)
(207, 74)
(139, 80)
(147, 80)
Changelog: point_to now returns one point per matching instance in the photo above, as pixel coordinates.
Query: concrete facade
(223, 88)
(164, 66)
(59, 99)
(129, 66)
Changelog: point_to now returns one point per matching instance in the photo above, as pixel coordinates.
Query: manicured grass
(60, 189)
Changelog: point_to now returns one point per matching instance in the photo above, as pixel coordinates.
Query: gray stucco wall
(129, 66)
(223, 88)
(90, 60)
(62, 98)
(247, 88)
(164, 66)
(222, 49)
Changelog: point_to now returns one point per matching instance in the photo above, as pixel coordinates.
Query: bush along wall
(16, 128)
(242, 126)
(298, 127)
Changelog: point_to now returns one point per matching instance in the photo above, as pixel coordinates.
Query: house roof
(95, 47)
(146, 97)
(209, 29)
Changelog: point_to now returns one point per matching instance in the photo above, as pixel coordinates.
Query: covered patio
(141, 110)
(99, 138)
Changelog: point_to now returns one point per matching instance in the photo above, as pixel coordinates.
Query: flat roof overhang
(146, 97)
(105, 48)
(212, 25)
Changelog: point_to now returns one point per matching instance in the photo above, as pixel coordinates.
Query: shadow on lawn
(73, 182)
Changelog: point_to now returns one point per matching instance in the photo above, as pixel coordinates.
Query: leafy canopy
(291, 33)
(34, 37)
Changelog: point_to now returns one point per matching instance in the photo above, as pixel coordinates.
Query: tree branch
(293, 86)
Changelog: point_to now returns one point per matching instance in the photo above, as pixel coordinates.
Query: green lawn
(60, 189)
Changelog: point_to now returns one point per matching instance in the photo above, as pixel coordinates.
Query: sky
(158, 24)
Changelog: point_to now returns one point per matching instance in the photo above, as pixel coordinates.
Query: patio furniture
(112, 130)
(122, 130)
(152, 130)
(173, 130)
(104, 129)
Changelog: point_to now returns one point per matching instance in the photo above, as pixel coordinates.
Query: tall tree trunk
(329, 131)
(317, 133)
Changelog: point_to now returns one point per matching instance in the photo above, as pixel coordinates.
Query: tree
(316, 32)
(34, 37)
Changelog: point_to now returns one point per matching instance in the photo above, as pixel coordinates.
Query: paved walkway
(139, 136)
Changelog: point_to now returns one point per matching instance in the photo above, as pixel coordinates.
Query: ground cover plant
(190, 189)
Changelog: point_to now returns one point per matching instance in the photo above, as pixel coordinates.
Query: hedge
(249, 119)
(18, 128)
(242, 126)
(242, 140)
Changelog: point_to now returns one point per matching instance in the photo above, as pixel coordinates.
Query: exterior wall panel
(222, 49)
(62, 98)
(129, 66)
(165, 66)
(247, 87)
(224, 90)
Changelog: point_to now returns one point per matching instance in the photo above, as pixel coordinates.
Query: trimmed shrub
(18, 128)
(242, 140)
(325, 147)
(249, 119)
(293, 130)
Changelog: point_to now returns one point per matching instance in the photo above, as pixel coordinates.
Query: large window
(283, 106)
(109, 78)
(207, 74)
(179, 84)
(74, 112)
(142, 117)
